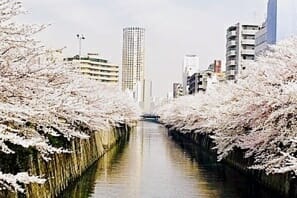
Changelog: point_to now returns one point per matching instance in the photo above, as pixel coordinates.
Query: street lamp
(79, 37)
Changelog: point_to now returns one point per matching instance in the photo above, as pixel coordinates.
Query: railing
(231, 62)
(232, 33)
(231, 43)
(248, 51)
(249, 32)
(231, 53)
(248, 42)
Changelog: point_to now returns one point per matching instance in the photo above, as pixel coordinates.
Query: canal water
(151, 165)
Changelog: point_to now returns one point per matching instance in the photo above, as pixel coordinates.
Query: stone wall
(283, 184)
(62, 169)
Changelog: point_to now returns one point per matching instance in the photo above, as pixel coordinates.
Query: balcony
(231, 73)
(231, 53)
(231, 34)
(249, 32)
(248, 42)
(248, 52)
(99, 67)
(231, 62)
(231, 43)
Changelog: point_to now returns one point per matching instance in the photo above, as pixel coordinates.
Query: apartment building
(216, 66)
(177, 90)
(97, 68)
(240, 48)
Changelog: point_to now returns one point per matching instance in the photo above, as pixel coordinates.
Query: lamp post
(79, 37)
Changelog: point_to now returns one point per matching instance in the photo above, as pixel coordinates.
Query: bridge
(150, 117)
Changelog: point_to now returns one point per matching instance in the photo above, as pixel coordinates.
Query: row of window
(98, 70)
(99, 75)
(246, 27)
(251, 37)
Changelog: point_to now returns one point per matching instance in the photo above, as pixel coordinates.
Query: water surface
(151, 165)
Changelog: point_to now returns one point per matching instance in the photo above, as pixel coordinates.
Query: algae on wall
(84, 186)
(62, 168)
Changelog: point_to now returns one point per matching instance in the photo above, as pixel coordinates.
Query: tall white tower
(133, 69)
(132, 57)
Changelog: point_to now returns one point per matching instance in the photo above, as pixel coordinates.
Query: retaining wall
(283, 184)
(62, 168)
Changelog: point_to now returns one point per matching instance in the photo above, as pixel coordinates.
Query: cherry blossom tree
(42, 96)
(257, 114)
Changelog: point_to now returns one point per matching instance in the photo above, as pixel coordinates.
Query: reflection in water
(84, 188)
(152, 165)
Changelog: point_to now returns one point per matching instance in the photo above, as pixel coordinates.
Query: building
(205, 80)
(169, 97)
(142, 94)
(177, 90)
(198, 82)
(147, 96)
(216, 66)
(281, 23)
(133, 66)
(97, 68)
(214, 80)
(190, 66)
(133, 69)
(261, 39)
(195, 83)
(281, 20)
(217, 75)
(240, 47)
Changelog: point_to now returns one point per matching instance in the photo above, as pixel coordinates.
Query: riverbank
(150, 164)
(62, 168)
(283, 184)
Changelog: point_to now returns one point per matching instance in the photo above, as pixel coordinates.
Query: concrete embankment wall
(62, 169)
(283, 184)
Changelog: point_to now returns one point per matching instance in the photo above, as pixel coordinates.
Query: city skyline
(169, 36)
(74, 126)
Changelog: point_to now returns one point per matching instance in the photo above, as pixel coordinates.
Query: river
(151, 165)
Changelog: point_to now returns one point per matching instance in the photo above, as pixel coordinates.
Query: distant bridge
(150, 117)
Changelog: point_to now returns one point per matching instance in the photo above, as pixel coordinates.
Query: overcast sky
(173, 28)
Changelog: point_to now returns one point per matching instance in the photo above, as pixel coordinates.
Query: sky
(174, 28)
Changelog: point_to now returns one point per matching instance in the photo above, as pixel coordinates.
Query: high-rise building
(147, 95)
(97, 68)
(143, 94)
(133, 70)
(281, 23)
(177, 90)
(281, 20)
(240, 48)
(190, 66)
